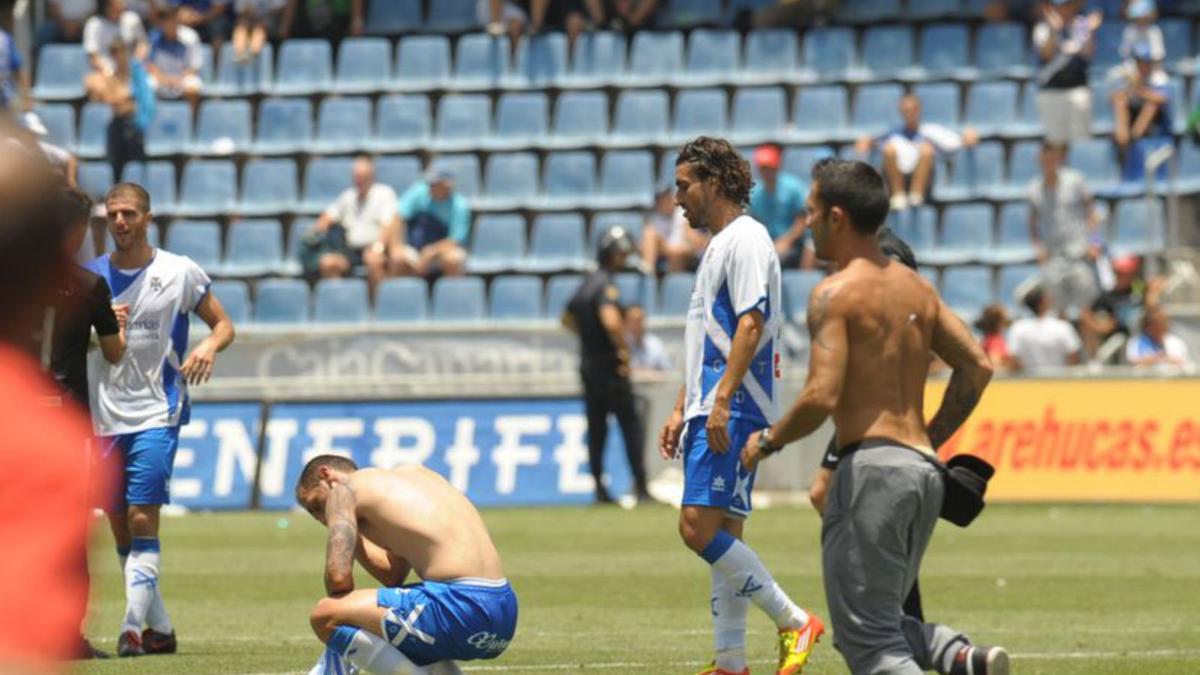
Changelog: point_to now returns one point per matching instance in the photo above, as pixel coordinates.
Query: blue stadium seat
(402, 122)
(1108, 42)
(60, 73)
(1177, 38)
(343, 124)
(234, 296)
(918, 227)
(1024, 164)
(170, 131)
(799, 160)
(699, 111)
(580, 118)
(821, 114)
(712, 58)
(237, 79)
(770, 56)
(626, 180)
(975, 173)
(968, 289)
(568, 178)
(992, 106)
(159, 180)
(1012, 245)
(1015, 281)
(1094, 158)
(281, 302)
(676, 294)
(510, 181)
(797, 286)
(284, 126)
(305, 67)
(393, 16)
(458, 299)
(557, 243)
(559, 291)
(940, 103)
(641, 118)
(945, 49)
(324, 179)
(925, 10)
(364, 65)
(1188, 180)
(1000, 50)
(636, 288)
(598, 59)
(341, 301)
(829, 52)
(465, 169)
(481, 61)
(860, 11)
(402, 300)
(222, 128)
(1138, 228)
(655, 58)
(967, 234)
(497, 243)
(688, 13)
(95, 178)
(59, 120)
(759, 114)
(254, 247)
(463, 121)
(401, 171)
(209, 188)
(199, 240)
(876, 108)
(208, 65)
(541, 60)
(887, 51)
(269, 186)
(1103, 120)
(451, 16)
(422, 63)
(522, 120)
(515, 298)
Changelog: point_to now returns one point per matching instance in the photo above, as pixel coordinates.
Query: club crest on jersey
(718, 484)
(156, 284)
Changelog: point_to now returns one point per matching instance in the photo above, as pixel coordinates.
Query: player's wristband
(765, 446)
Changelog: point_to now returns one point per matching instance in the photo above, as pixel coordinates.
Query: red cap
(1127, 264)
(767, 156)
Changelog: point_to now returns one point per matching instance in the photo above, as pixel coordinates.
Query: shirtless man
(873, 325)
(393, 522)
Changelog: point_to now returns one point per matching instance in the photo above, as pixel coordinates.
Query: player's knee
(324, 618)
(693, 532)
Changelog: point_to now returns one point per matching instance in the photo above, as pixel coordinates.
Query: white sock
(749, 578)
(729, 625)
(141, 582)
(156, 615)
(372, 653)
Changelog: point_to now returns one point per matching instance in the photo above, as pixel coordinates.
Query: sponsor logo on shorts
(488, 642)
(718, 484)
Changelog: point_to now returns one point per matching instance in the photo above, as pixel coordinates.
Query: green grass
(1070, 590)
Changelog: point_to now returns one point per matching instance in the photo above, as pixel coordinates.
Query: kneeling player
(393, 522)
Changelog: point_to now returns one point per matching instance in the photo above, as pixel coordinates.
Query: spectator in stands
(329, 19)
(992, 323)
(14, 76)
(1156, 344)
(1043, 340)
(500, 16)
(100, 35)
(1116, 310)
(1063, 226)
(209, 18)
(147, 10)
(777, 201)
(1064, 41)
(1141, 114)
(64, 21)
(358, 227)
(435, 223)
(632, 15)
(668, 242)
(646, 350)
(175, 61)
(1141, 30)
(129, 93)
(787, 14)
(256, 21)
(909, 151)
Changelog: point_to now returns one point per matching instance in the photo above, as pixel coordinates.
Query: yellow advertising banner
(1085, 440)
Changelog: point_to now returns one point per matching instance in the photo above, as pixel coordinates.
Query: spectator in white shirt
(1156, 344)
(1064, 42)
(64, 21)
(646, 350)
(1142, 30)
(101, 32)
(668, 242)
(1043, 340)
(367, 216)
(1064, 228)
(174, 62)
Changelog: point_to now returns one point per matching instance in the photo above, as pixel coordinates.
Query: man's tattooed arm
(343, 539)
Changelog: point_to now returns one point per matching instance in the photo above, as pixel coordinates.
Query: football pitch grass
(1068, 589)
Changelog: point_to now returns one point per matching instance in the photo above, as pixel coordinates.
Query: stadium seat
(945, 49)
(829, 53)
(515, 298)
(159, 180)
(770, 57)
(992, 106)
(925, 10)
(887, 51)
(940, 103)
(209, 188)
(797, 286)
(1094, 158)
(868, 11)
(626, 180)
(759, 114)
(876, 108)
(170, 131)
(689, 13)
(568, 178)
(559, 291)
(284, 126)
(918, 227)
(60, 73)
(393, 17)
(465, 169)
(676, 293)
(234, 296)
(400, 171)
(364, 65)
(1015, 281)
(325, 179)
(1103, 120)
(343, 124)
(1177, 38)
(463, 121)
(967, 234)
(522, 120)
(1107, 39)
(598, 59)
(254, 247)
(93, 131)
(451, 16)
(580, 118)
(821, 114)
(1138, 228)
(402, 300)
(1012, 245)
(222, 127)
(497, 243)
(799, 160)
(402, 122)
(281, 302)
(713, 58)
(697, 112)
(1024, 164)
(1188, 180)
(968, 289)
(481, 61)
(458, 299)
(305, 67)
(640, 119)
(199, 240)
(975, 173)
(341, 301)
(666, 168)
(541, 61)
(557, 243)
(95, 178)
(1000, 50)
(655, 58)
(510, 181)
(269, 186)
(238, 79)
(59, 120)
(422, 63)
(636, 288)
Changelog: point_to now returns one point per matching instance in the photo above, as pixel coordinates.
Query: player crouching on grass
(393, 522)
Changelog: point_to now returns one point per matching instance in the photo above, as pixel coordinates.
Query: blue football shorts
(711, 479)
(459, 620)
(146, 458)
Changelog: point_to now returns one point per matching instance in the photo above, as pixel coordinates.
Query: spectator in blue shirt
(209, 18)
(14, 78)
(435, 223)
(777, 201)
(1141, 114)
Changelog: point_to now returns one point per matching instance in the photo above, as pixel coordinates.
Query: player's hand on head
(717, 428)
(198, 367)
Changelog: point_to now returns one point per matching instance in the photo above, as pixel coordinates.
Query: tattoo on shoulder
(817, 314)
